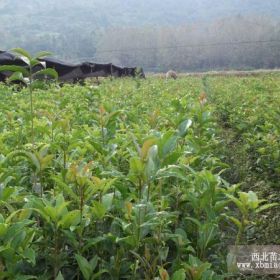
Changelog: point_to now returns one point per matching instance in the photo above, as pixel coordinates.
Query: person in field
(171, 74)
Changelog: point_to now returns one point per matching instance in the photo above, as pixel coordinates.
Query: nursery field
(138, 179)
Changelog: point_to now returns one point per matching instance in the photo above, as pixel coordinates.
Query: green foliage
(249, 108)
(116, 188)
(28, 75)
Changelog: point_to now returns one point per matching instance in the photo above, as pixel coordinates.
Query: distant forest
(232, 43)
(160, 41)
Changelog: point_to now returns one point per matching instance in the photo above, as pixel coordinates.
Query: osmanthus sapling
(248, 204)
(16, 237)
(39, 161)
(59, 222)
(28, 75)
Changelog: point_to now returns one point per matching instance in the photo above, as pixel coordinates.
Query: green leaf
(146, 146)
(171, 158)
(23, 53)
(253, 201)
(93, 262)
(25, 214)
(197, 222)
(46, 72)
(42, 213)
(167, 144)
(220, 205)
(266, 206)
(51, 212)
(179, 275)
(34, 62)
(179, 232)
(107, 201)
(14, 214)
(30, 156)
(59, 276)
(238, 203)
(72, 218)
(235, 221)
(207, 235)
(3, 230)
(14, 68)
(136, 168)
(172, 171)
(183, 128)
(128, 240)
(92, 242)
(152, 164)
(30, 255)
(6, 193)
(84, 266)
(18, 239)
(66, 188)
(98, 210)
(7, 252)
(136, 165)
(42, 54)
(243, 197)
(61, 209)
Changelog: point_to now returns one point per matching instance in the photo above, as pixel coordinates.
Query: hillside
(132, 12)
(79, 29)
